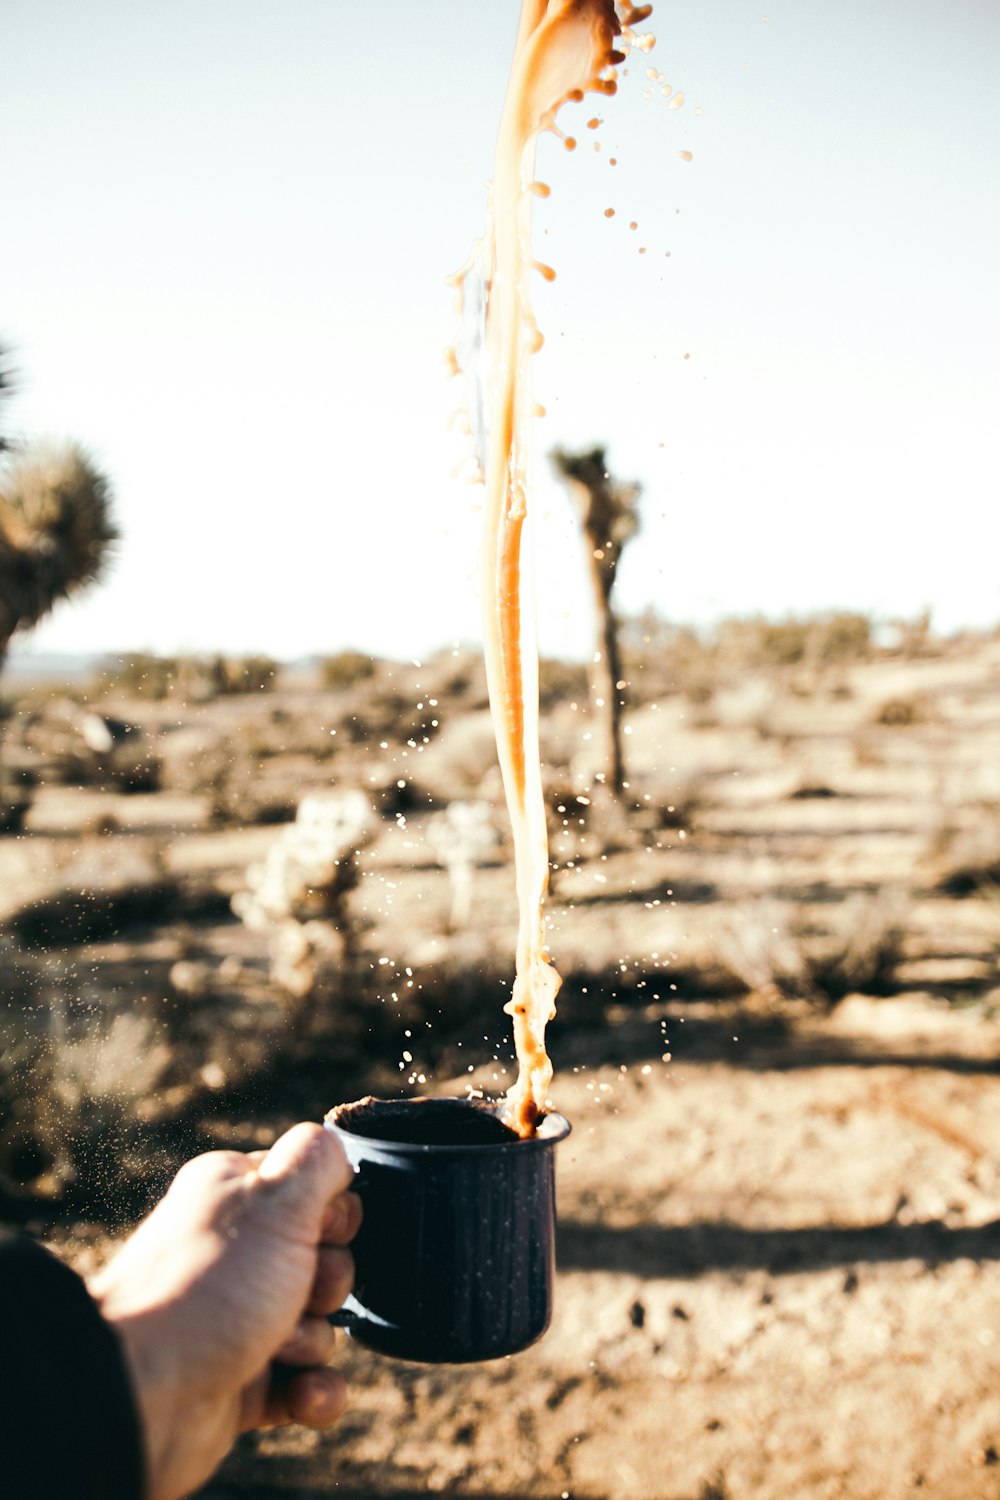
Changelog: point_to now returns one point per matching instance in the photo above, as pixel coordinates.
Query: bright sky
(226, 227)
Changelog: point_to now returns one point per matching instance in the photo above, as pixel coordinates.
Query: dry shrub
(238, 794)
(102, 824)
(190, 679)
(249, 776)
(345, 669)
(867, 947)
(192, 758)
(382, 708)
(656, 806)
(276, 732)
(903, 712)
(250, 674)
(253, 773)
(965, 853)
(458, 674)
(459, 759)
(779, 954)
(65, 743)
(756, 943)
(661, 657)
(989, 894)
(389, 699)
(141, 675)
(18, 777)
(700, 691)
(15, 802)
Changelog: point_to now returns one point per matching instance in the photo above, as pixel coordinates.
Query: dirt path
(776, 1279)
(780, 1248)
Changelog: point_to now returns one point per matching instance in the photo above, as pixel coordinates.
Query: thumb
(307, 1166)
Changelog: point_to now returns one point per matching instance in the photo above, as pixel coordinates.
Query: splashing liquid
(564, 49)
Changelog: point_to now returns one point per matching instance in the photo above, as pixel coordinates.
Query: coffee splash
(564, 49)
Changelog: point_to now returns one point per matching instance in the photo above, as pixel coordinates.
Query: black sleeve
(68, 1421)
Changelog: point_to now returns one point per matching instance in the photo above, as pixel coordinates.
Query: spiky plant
(56, 532)
(609, 518)
(5, 388)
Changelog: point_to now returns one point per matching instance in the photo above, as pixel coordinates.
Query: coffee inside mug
(424, 1122)
(455, 1258)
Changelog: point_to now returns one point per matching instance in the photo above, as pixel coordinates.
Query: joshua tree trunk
(608, 517)
(607, 686)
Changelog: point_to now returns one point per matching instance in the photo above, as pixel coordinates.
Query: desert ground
(777, 1040)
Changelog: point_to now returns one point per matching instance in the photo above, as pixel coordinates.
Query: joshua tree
(608, 516)
(4, 393)
(55, 529)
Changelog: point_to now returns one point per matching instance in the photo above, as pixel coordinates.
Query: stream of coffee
(564, 49)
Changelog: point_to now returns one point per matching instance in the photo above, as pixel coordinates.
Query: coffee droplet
(609, 213)
(686, 155)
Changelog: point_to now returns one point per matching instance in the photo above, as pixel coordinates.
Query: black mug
(455, 1257)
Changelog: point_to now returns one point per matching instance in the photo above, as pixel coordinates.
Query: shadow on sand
(739, 1038)
(287, 1476)
(688, 1250)
(327, 1486)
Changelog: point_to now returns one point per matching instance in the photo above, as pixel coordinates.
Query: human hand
(220, 1300)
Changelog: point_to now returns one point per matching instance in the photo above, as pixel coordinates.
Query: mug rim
(554, 1127)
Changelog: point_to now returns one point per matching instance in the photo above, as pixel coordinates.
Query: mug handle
(344, 1317)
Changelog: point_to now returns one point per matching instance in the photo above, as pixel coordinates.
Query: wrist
(157, 1395)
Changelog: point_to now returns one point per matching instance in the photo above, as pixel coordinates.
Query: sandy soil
(779, 1238)
(779, 1275)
